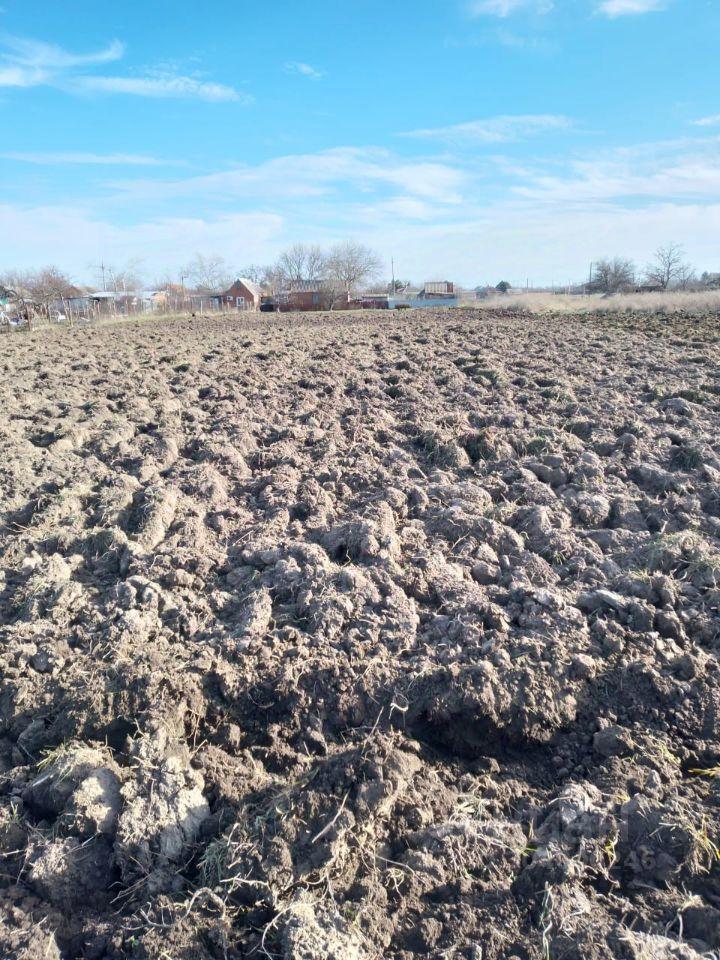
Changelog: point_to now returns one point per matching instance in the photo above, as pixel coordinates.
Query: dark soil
(361, 636)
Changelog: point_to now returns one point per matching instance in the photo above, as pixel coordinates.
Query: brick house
(242, 295)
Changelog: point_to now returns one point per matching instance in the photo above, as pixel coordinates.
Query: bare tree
(208, 274)
(613, 276)
(40, 290)
(350, 265)
(15, 280)
(686, 277)
(254, 272)
(127, 278)
(667, 267)
(49, 284)
(301, 263)
(119, 279)
(164, 281)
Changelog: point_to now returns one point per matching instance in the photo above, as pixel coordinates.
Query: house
(244, 294)
(17, 306)
(111, 302)
(302, 296)
(14, 309)
(437, 293)
(151, 300)
(372, 301)
(436, 289)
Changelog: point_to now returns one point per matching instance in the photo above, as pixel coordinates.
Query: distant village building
(311, 295)
(373, 301)
(437, 288)
(435, 293)
(124, 302)
(16, 307)
(242, 295)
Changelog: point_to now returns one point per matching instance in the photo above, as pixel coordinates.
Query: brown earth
(358, 637)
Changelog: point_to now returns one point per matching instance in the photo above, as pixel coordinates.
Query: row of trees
(345, 267)
(41, 286)
(667, 271)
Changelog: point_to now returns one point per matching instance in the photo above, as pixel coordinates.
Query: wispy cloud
(90, 159)
(310, 177)
(502, 129)
(49, 56)
(711, 121)
(14, 75)
(303, 70)
(624, 8)
(662, 172)
(516, 41)
(162, 87)
(32, 63)
(553, 214)
(504, 8)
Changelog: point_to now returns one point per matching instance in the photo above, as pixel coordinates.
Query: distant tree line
(668, 270)
(344, 268)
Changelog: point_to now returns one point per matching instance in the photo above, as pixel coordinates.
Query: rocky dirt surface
(359, 637)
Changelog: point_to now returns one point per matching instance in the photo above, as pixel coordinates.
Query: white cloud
(102, 159)
(162, 87)
(678, 171)
(49, 56)
(504, 8)
(14, 75)
(32, 63)
(303, 70)
(75, 236)
(514, 240)
(315, 175)
(711, 121)
(623, 8)
(496, 129)
(399, 208)
(542, 219)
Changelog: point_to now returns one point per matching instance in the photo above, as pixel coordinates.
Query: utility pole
(392, 268)
(101, 267)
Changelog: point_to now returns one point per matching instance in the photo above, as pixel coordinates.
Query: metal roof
(252, 287)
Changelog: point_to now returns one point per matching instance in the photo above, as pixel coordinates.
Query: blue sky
(468, 139)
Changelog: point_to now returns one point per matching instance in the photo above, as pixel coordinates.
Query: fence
(87, 310)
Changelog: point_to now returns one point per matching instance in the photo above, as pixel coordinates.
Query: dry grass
(706, 300)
